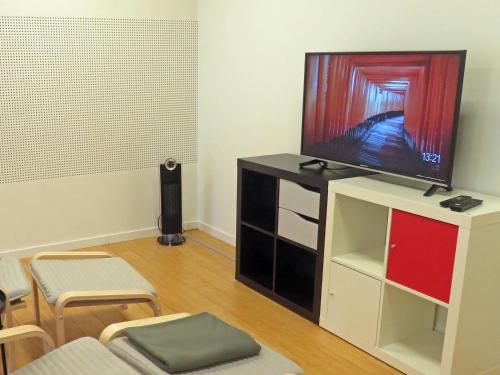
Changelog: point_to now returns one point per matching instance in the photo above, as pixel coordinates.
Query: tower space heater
(171, 204)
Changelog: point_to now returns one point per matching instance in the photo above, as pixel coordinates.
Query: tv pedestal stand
(281, 217)
(430, 192)
(322, 163)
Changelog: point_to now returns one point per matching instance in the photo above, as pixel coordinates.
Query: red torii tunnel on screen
(415, 93)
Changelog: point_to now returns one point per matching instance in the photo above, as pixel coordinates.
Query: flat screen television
(391, 112)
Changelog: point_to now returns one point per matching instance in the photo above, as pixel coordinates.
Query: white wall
(85, 210)
(251, 78)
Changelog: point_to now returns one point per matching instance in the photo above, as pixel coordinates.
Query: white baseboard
(220, 234)
(493, 371)
(88, 241)
(191, 225)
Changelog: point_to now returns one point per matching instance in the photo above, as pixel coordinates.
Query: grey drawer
(296, 198)
(294, 227)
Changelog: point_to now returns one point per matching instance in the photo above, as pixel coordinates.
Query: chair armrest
(115, 330)
(26, 332)
(71, 255)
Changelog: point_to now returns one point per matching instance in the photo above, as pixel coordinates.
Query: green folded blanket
(196, 341)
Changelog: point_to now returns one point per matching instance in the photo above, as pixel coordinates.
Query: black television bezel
(456, 115)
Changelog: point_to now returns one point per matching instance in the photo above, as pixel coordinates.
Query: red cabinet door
(422, 254)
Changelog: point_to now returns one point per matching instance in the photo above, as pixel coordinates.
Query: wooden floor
(192, 279)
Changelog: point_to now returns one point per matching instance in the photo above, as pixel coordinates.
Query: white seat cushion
(84, 356)
(56, 277)
(268, 362)
(13, 280)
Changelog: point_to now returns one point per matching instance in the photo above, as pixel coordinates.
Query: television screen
(394, 112)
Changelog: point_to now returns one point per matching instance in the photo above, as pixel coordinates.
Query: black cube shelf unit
(281, 226)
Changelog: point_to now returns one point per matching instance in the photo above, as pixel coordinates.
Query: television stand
(432, 190)
(410, 282)
(322, 163)
(281, 219)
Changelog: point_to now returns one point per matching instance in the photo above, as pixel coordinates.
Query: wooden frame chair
(93, 349)
(87, 298)
(82, 356)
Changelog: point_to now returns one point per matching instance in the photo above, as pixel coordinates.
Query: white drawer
(295, 198)
(294, 227)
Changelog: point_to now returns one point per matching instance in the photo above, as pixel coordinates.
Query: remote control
(451, 201)
(465, 205)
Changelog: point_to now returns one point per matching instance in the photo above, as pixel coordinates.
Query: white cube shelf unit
(410, 282)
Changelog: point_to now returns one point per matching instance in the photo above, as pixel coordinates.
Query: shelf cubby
(258, 200)
(257, 256)
(412, 330)
(295, 274)
(359, 235)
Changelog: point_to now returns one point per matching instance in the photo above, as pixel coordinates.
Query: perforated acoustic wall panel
(82, 96)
